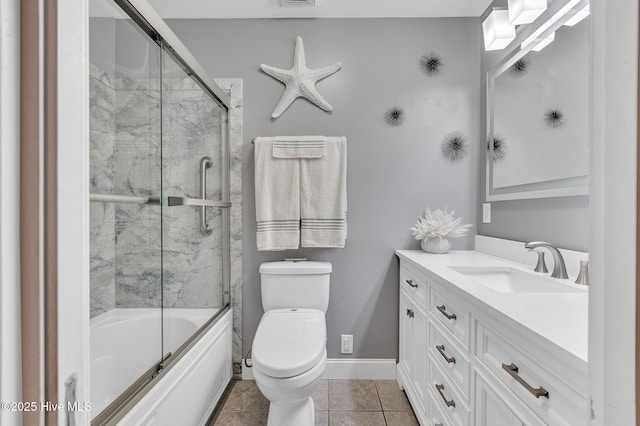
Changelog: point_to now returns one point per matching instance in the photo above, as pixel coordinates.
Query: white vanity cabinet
(464, 362)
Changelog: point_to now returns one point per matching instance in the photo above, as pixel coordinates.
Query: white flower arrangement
(439, 224)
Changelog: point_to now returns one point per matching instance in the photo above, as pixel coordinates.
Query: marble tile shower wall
(191, 123)
(126, 251)
(102, 215)
(138, 228)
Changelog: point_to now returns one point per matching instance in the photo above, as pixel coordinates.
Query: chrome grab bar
(205, 163)
(202, 203)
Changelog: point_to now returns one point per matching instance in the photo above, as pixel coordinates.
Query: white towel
(323, 200)
(298, 146)
(277, 183)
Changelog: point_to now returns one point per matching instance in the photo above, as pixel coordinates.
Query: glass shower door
(195, 218)
(125, 210)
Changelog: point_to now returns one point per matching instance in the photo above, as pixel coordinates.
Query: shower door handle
(202, 203)
(185, 201)
(205, 163)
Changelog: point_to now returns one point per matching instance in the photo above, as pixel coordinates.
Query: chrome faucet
(559, 269)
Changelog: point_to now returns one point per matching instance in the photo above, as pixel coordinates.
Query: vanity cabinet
(464, 363)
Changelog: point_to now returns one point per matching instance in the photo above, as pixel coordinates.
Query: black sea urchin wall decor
(455, 146)
(431, 63)
(394, 116)
(521, 67)
(499, 146)
(554, 117)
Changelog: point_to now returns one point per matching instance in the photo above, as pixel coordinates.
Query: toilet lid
(289, 342)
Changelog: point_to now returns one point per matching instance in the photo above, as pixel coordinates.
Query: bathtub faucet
(559, 269)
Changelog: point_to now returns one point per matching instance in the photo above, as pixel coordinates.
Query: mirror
(538, 112)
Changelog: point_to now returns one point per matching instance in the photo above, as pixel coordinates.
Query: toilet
(289, 348)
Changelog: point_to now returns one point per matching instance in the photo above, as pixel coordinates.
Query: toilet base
(292, 413)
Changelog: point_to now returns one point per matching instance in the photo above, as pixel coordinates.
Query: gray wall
(563, 221)
(393, 172)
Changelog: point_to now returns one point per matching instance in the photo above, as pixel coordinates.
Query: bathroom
(393, 173)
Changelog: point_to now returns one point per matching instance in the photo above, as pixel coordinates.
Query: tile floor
(337, 402)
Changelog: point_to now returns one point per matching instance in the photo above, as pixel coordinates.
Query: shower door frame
(152, 24)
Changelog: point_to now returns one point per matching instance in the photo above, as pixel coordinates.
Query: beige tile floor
(337, 403)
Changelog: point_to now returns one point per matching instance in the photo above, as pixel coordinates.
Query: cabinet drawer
(550, 398)
(435, 415)
(414, 283)
(451, 315)
(496, 405)
(447, 397)
(453, 361)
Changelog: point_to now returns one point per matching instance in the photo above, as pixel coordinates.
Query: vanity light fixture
(540, 43)
(497, 30)
(578, 16)
(535, 36)
(525, 11)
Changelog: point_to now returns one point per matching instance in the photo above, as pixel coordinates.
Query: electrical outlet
(486, 213)
(346, 344)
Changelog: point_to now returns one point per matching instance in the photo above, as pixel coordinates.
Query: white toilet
(289, 348)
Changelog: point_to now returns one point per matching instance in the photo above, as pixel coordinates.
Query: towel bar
(123, 199)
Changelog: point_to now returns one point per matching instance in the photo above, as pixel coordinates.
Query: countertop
(560, 318)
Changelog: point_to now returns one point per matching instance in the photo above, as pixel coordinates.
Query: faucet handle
(540, 266)
(583, 276)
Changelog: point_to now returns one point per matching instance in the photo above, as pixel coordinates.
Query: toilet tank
(295, 284)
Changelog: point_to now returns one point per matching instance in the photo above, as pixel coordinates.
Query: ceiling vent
(288, 3)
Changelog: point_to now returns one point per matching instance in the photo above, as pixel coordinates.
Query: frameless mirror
(538, 112)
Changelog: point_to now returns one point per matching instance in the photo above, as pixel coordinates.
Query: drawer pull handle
(512, 369)
(440, 389)
(410, 282)
(443, 310)
(450, 360)
(409, 313)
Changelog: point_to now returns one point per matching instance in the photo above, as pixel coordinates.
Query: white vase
(438, 245)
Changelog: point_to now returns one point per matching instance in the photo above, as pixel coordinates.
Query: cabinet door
(406, 334)
(419, 357)
(493, 409)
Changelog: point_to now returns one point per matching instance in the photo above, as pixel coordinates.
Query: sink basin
(505, 279)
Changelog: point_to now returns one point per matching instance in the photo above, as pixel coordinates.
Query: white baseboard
(349, 368)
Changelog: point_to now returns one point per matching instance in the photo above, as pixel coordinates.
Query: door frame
(72, 207)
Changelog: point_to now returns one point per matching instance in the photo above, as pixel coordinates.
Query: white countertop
(560, 318)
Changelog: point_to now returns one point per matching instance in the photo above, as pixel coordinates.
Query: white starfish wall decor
(300, 81)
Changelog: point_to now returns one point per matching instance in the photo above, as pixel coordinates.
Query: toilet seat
(289, 342)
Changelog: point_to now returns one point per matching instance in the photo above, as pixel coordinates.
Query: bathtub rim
(126, 401)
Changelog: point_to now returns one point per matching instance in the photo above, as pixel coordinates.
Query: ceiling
(324, 8)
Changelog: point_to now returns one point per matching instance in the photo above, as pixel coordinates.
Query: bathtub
(125, 343)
